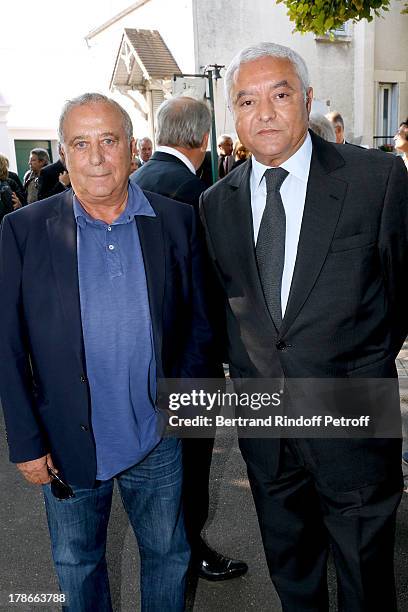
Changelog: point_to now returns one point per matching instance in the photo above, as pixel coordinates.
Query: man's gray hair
(141, 140)
(335, 118)
(183, 122)
(94, 98)
(223, 137)
(42, 155)
(265, 49)
(322, 127)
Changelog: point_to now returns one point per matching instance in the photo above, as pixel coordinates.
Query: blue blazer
(43, 381)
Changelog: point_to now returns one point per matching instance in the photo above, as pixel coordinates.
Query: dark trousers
(301, 513)
(197, 453)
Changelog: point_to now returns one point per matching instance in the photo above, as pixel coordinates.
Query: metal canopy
(143, 61)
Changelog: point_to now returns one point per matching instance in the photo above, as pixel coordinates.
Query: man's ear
(309, 99)
(133, 149)
(61, 153)
(204, 142)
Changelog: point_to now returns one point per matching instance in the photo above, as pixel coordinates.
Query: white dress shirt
(293, 194)
(177, 153)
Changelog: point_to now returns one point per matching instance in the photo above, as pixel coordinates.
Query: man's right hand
(36, 471)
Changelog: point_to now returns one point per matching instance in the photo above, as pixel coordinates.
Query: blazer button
(84, 427)
(83, 378)
(281, 345)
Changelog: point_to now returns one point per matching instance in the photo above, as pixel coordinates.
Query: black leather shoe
(214, 566)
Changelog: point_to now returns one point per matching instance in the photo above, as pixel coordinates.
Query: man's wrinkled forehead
(91, 118)
(271, 72)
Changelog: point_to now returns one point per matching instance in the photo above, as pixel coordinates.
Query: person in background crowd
(37, 160)
(401, 144)
(322, 127)
(102, 295)
(53, 179)
(134, 164)
(338, 124)
(11, 196)
(183, 126)
(144, 150)
(310, 243)
(225, 157)
(16, 179)
(240, 153)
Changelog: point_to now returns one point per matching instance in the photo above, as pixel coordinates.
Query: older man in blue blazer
(101, 294)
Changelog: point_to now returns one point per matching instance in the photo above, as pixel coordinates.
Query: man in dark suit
(310, 241)
(225, 156)
(101, 294)
(53, 179)
(144, 150)
(171, 170)
(183, 127)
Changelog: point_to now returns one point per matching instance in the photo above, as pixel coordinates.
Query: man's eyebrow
(86, 136)
(246, 92)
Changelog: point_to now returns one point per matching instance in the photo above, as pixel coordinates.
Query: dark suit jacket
(48, 183)
(43, 384)
(16, 179)
(168, 175)
(347, 310)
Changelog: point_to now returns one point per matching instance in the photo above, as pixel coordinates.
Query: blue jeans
(151, 495)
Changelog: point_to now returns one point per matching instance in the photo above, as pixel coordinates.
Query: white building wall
(225, 28)
(391, 53)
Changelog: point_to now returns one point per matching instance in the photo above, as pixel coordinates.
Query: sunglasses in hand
(60, 489)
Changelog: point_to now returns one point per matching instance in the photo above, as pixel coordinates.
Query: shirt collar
(137, 204)
(179, 155)
(298, 164)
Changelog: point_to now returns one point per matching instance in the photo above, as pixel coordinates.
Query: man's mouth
(267, 132)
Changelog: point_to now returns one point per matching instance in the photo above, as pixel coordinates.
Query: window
(387, 111)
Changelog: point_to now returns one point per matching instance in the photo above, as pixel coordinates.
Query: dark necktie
(221, 167)
(270, 246)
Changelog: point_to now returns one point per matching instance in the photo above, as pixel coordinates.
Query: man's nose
(266, 109)
(96, 156)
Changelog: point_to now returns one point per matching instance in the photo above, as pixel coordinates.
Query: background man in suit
(181, 144)
(338, 123)
(101, 292)
(38, 159)
(310, 242)
(53, 179)
(183, 127)
(144, 150)
(225, 157)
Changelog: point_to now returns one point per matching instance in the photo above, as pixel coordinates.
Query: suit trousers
(197, 454)
(301, 516)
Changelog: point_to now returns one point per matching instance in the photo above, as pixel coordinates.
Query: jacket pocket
(353, 242)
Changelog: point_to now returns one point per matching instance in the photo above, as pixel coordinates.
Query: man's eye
(108, 141)
(282, 95)
(80, 145)
(247, 103)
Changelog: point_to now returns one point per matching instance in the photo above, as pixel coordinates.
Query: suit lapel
(63, 246)
(152, 244)
(324, 200)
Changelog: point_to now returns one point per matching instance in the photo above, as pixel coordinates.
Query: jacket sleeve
(393, 248)
(200, 358)
(25, 438)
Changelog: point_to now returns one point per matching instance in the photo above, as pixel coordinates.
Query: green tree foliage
(321, 16)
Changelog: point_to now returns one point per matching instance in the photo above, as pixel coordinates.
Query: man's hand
(16, 201)
(64, 179)
(36, 471)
